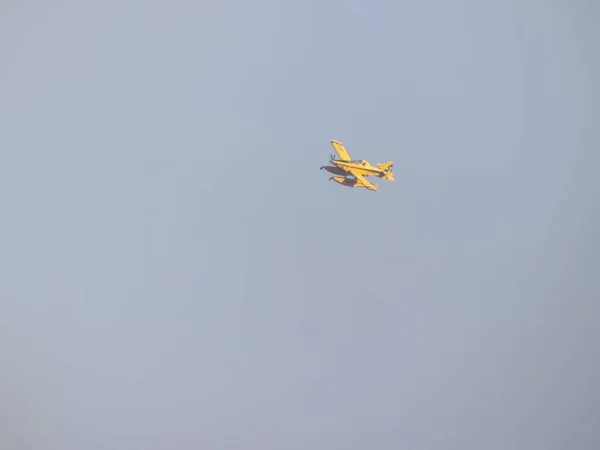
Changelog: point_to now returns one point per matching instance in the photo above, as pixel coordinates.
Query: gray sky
(176, 272)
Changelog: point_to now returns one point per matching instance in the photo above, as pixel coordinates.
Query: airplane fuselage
(363, 167)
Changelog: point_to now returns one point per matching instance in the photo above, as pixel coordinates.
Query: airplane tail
(387, 170)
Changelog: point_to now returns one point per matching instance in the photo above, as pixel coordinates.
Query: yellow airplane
(352, 173)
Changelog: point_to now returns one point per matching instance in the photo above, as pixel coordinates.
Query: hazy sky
(176, 272)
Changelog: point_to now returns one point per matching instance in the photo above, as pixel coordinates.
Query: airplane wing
(341, 151)
(363, 180)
